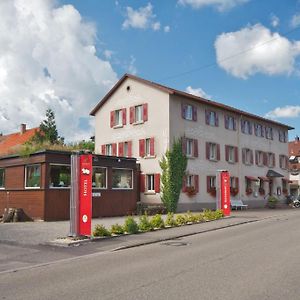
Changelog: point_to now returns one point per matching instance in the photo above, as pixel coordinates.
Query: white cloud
(288, 111)
(108, 53)
(142, 18)
(221, 5)
(295, 22)
(274, 21)
(48, 59)
(255, 49)
(167, 28)
(131, 67)
(197, 92)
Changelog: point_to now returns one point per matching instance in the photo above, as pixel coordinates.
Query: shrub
(219, 214)
(170, 221)
(199, 217)
(157, 221)
(181, 220)
(272, 202)
(131, 225)
(190, 217)
(144, 223)
(116, 229)
(208, 215)
(100, 230)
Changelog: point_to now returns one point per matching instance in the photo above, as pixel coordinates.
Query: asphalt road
(259, 260)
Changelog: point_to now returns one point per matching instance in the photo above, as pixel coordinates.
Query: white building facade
(141, 119)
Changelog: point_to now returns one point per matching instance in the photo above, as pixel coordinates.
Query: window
(211, 118)
(259, 130)
(147, 147)
(150, 183)
(189, 112)
(230, 122)
(233, 182)
(122, 179)
(211, 183)
(271, 160)
(246, 126)
(189, 147)
(2, 178)
(118, 118)
(283, 161)
(231, 154)
(138, 113)
(269, 133)
(283, 136)
(126, 148)
(247, 156)
(60, 176)
(33, 176)
(190, 181)
(212, 151)
(260, 158)
(108, 149)
(99, 179)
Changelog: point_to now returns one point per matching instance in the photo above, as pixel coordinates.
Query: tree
(48, 131)
(173, 165)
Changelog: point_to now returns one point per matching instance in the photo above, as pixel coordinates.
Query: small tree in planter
(249, 191)
(261, 191)
(234, 191)
(173, 165)
(272, 202)
(191, 191)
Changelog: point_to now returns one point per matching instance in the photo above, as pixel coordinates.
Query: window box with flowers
(262, 191)
(191, 191)
(234, 191)
(285, 191)
(213, 191)
(249, 191)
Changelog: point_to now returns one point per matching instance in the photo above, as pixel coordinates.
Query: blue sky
(244, 53)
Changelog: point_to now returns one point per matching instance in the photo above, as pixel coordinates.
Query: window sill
(213, 160)
(231, 162)
(118, 126)
(138, 123)
(59, 187)
(149, 156)
(150, 193)
(2, 188)
(32, 187)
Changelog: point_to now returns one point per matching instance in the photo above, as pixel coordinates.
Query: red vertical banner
(225, 192)
(85, 194)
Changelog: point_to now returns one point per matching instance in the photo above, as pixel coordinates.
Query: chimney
(297, 138)
(23, 128)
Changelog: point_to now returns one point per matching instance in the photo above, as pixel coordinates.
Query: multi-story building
(140, 118)
(294, 166)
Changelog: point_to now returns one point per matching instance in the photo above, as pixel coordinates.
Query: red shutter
(103, 149)
(152, 146)
(207, 150)
(196, 177)
(280, 161)
(142, 183)
(183, 109)
(157, 183)
(244, 155)
(129, 148)
(226, 153)
(265, 159)
(243, 126)
(195, 148)
(207, 113)
(250, 127)
(121, 149)
(237, 182)
(234, 124)
(131, 113)
(256, 157)
(184, 184)
(112, 119)
(208, 183)
(226, 121)
(183, 142)
(217, 119)
(114, 149)
(142, 147)
(251, 157)
(263, 131)
(194, 113)
(274, 160)
(236, 154)
(124, 116)
(145, 112)
(218, 152)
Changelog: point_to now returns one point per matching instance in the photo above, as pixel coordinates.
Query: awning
(251, 178)
(264, 178)
(272, 173)
(287, 180)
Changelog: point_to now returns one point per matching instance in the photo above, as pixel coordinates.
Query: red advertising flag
(85, 194)
(225, 192)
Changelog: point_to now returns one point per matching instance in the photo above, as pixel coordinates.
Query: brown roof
(184, 94)
(11, 142)
(294, 148)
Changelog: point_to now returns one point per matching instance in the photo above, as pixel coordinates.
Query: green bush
(157, 221)
(144, 223)
(190, 217)
(199, 217)
(181, 220)
(100, 230)
(272, 202)
(131, 225)
(170, 220)
(208, 215)
(219, 214)
(116, 229)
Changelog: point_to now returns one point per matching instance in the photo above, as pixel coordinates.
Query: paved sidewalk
(35, 233)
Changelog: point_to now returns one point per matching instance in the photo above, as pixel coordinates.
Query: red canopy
(251, 178)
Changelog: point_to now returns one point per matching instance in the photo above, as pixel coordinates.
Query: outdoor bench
(235, 204)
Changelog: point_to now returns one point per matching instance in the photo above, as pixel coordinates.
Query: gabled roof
(10, 142)
(172, 91)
